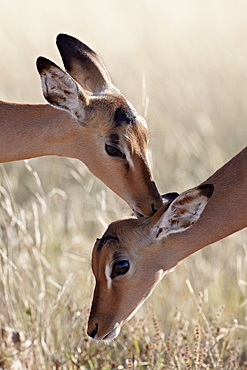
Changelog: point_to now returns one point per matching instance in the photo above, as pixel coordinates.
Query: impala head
(128, 261)
(116, 135)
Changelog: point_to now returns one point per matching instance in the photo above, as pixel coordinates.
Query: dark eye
(113, 151)
(120, 268)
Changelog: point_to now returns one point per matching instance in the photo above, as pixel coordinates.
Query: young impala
(134, 254)
(95, 123)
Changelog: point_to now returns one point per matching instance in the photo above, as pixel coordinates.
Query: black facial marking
(124, 115)
(159, 232)
(103, 240)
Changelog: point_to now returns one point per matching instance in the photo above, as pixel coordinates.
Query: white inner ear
(182, 213)
(60, 89)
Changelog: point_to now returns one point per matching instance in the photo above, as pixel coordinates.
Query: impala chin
(114, 333)
(110, 335)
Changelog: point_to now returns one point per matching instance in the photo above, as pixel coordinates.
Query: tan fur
(29, 131)
(150, 257)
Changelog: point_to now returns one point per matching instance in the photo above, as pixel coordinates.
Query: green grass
(182, 65)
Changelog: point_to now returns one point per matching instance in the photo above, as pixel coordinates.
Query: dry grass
(183, 65)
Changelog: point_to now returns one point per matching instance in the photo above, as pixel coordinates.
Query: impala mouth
(137, 214)
(113, 334)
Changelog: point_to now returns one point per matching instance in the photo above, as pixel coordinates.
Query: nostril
(93, 332)
(154, 209)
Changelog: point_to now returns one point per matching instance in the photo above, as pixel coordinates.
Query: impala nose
(93, 331)
(154, 208)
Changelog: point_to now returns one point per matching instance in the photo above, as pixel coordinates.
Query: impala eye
(120, 268)
(113, 151)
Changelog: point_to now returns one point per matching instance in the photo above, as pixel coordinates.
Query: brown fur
(29, 131)
(150, 258)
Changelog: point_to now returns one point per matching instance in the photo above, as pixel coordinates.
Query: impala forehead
(101, 255)
(119, 110)
(134, 141)
(102, 241)
(125, 114)
(106, 251)
(116, 238)
(110, 101)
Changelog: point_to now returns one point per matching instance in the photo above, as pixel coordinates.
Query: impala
(94, 123)
(134, 254)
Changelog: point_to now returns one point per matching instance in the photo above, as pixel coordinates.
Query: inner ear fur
(61, 90)
(180, 213)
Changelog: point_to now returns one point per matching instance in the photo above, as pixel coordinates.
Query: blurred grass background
(183, 65)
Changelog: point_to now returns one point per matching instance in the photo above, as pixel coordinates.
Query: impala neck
(225, 213)
(29, 131)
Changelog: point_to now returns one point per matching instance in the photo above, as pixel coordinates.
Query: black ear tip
(64, 40)
(169, 197)
(207, 189)
(61, 38)
(61, 35)
(41, 64)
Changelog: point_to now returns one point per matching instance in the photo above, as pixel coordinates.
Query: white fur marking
(128, 157)
(108, 276)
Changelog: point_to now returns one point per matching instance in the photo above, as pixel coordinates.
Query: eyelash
(120, 268)
(114, 151)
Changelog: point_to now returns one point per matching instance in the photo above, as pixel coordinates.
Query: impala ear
(61, 90)
(83, 63)
(168, 197)
(181, 213)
